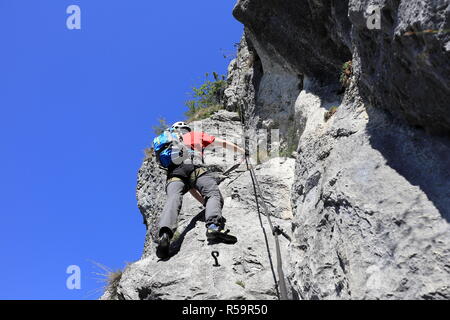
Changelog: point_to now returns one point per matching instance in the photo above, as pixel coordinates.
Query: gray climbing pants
(208, 188)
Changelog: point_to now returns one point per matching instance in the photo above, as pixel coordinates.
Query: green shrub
(240, 283)
(208, 96)
(204, 113)
(330, 113)
(346, 74)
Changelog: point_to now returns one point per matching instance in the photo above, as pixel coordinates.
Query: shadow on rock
(229, 242)
(419, 157)
(176, 245)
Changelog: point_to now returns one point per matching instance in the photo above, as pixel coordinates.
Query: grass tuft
(204, 113)
(346, 74)
(207, 98)
(330, 113)
(109, 277)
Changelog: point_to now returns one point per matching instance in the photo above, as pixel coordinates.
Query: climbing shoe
(162, 251)
(216, 234)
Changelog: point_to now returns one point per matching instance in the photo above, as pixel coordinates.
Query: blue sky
(77, 107)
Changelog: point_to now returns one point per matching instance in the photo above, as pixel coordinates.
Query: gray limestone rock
(370, 197)
(371, 204)
(401, 67)
(245, 268)
(368, 203)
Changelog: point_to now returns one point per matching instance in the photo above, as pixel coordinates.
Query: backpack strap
(188, 147)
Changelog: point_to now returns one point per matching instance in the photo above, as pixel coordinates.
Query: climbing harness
(280, 285)
(225, 175)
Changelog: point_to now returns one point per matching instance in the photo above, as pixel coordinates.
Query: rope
(280, 285)
(264, 232)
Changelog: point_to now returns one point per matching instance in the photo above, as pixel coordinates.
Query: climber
(181, 151)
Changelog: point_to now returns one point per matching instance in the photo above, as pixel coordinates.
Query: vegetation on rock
(207, 98)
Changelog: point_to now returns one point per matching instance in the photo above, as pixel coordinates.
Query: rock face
(371, 206)
(396, 70)
(265, 89)
(404, 66)
(307, 37)
(245, 271)
(368, 203)
(370, 198)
